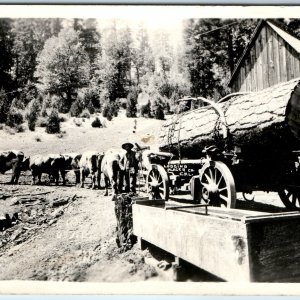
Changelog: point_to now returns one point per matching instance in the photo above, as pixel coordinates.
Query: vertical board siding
(269, 61)
(264, 55)
(276, 58)
(259, 62)
(287, 57)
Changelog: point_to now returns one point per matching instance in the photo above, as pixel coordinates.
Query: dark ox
(13, 160)
(72, 161)
(51, 164)
(90, 163)
(110, 167)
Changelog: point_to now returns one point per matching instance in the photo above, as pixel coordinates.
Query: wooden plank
(254, 69)
(276, 58)
(288, 65)
(259, 63)
(292, 62)
(265, 75)
(282, 55)
(296, 64)
(270, 57)
(242, 88)
(247, 74)
(216, 245)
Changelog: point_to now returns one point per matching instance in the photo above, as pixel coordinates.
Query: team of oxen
(90, 163)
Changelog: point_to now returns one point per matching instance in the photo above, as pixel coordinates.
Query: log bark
(266, 122)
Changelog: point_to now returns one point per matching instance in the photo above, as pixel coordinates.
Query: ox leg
(40, 178)
(114, 183)
(93, 180)
(15, 178)
(106, 185)
(63, 176)
(98, 179)
(56, 177)
(77, 175)
(82, 178)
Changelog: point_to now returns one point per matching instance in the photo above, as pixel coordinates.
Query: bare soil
(75, 240)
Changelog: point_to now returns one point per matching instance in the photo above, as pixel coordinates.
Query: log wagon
(244, 143)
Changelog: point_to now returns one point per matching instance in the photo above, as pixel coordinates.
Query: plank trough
(235, 245)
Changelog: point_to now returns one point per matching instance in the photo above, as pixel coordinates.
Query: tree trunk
(261, 123)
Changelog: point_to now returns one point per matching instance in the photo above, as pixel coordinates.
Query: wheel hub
(153, 187)
(210, 191)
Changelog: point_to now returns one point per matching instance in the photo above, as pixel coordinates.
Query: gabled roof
(291, 40)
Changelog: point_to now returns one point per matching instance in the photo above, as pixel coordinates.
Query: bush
(53, 122)
(110, 110)
(158, 110)
(92, 98)
(76, 108)
(14, 117)
(85, 114)
(33, 113)
(42, 122)
(91, 108)
(146, 110)
(4, 106)
(96, 123)
(20, 128)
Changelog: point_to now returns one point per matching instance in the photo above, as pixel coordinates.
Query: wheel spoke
(151, 177)
(224, 202)
(223, 197)
(289, 193)
(223, 189)
(209, 180)
(211, 174)
(220, 180)
(294, 199)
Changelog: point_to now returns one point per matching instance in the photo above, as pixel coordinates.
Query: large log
(266, 122)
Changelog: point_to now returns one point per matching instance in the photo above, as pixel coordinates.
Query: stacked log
(258, 122)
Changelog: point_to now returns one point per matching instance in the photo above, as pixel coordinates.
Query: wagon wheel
(158, 183)
(290, 196)
(218, 187)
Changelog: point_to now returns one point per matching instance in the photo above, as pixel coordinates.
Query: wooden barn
(271, 57)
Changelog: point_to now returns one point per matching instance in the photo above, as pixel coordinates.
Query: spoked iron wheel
(290, 196)
(218, 187)
(158, 183)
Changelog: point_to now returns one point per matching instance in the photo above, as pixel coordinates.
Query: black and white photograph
(150, 149)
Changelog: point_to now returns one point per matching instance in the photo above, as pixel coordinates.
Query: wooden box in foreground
(235, 245)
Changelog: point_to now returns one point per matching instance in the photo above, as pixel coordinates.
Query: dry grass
(83, 138)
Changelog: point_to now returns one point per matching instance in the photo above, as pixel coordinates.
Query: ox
(72, 161)
(15, 161)
(111, 169)
(90, 163)
(51, 164)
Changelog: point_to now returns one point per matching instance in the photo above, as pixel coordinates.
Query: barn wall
(269, 61)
